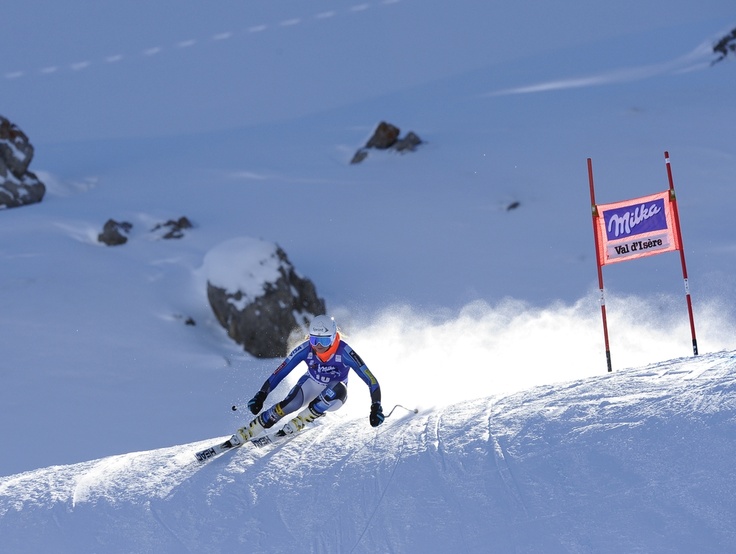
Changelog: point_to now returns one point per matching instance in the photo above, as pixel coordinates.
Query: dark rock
(15, 149)
(114, 233)
(18, 186)
(359, 156)
(188, 320)
(266, 322)
(175, 227)
(409, 142)
(725, 45)
(385, 137)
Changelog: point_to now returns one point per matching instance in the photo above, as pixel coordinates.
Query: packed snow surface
(633, 461)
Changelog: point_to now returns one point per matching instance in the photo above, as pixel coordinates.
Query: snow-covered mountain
(243, 117)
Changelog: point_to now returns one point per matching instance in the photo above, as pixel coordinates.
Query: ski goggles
(324, 342)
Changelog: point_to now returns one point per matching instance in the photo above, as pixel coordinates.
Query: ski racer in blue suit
(329, 360)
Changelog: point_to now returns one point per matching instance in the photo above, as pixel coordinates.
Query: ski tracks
(188, 43)
(398, 455)
(506, 473)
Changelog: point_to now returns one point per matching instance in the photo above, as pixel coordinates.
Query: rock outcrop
(18, 186)
(385, 137)
(726, 45)
(258, 296)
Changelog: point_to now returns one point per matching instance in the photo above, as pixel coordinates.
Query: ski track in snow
(190, 42)
(698, 59)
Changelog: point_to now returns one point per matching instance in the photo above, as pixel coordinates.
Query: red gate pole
(673, 200)
(594, 210)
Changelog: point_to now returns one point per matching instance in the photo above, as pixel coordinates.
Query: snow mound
(638, 460)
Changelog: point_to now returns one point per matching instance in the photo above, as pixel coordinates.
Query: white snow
(486, 319)
(242, 264)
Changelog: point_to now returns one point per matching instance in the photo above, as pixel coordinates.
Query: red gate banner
(636, 228)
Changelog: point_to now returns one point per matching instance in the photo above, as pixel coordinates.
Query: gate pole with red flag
(594, 210)
(673, 201)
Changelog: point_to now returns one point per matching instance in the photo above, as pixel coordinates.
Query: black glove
(256, 403)
(377, 416)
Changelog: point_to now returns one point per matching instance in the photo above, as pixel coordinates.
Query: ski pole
(412, 410)
(234, 408)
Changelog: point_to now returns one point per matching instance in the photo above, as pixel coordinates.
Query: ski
(236, 442)
(289, 430)
(212, 451)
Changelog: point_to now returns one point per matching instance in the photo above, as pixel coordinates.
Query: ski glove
(256, 403)
(377, 416)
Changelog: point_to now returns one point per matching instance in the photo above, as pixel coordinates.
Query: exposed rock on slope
(18, 186)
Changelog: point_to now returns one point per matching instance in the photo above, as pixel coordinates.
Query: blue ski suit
(324, 385)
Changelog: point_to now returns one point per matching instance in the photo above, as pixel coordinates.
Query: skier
(324, 385)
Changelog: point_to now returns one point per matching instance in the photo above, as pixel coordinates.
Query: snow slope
(633, 461)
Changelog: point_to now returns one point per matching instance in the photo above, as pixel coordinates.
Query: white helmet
(322, 332)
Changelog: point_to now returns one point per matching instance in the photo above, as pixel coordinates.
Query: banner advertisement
(636, 228)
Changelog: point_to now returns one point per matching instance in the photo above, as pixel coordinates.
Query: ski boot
(251, 430)
(305, 417)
